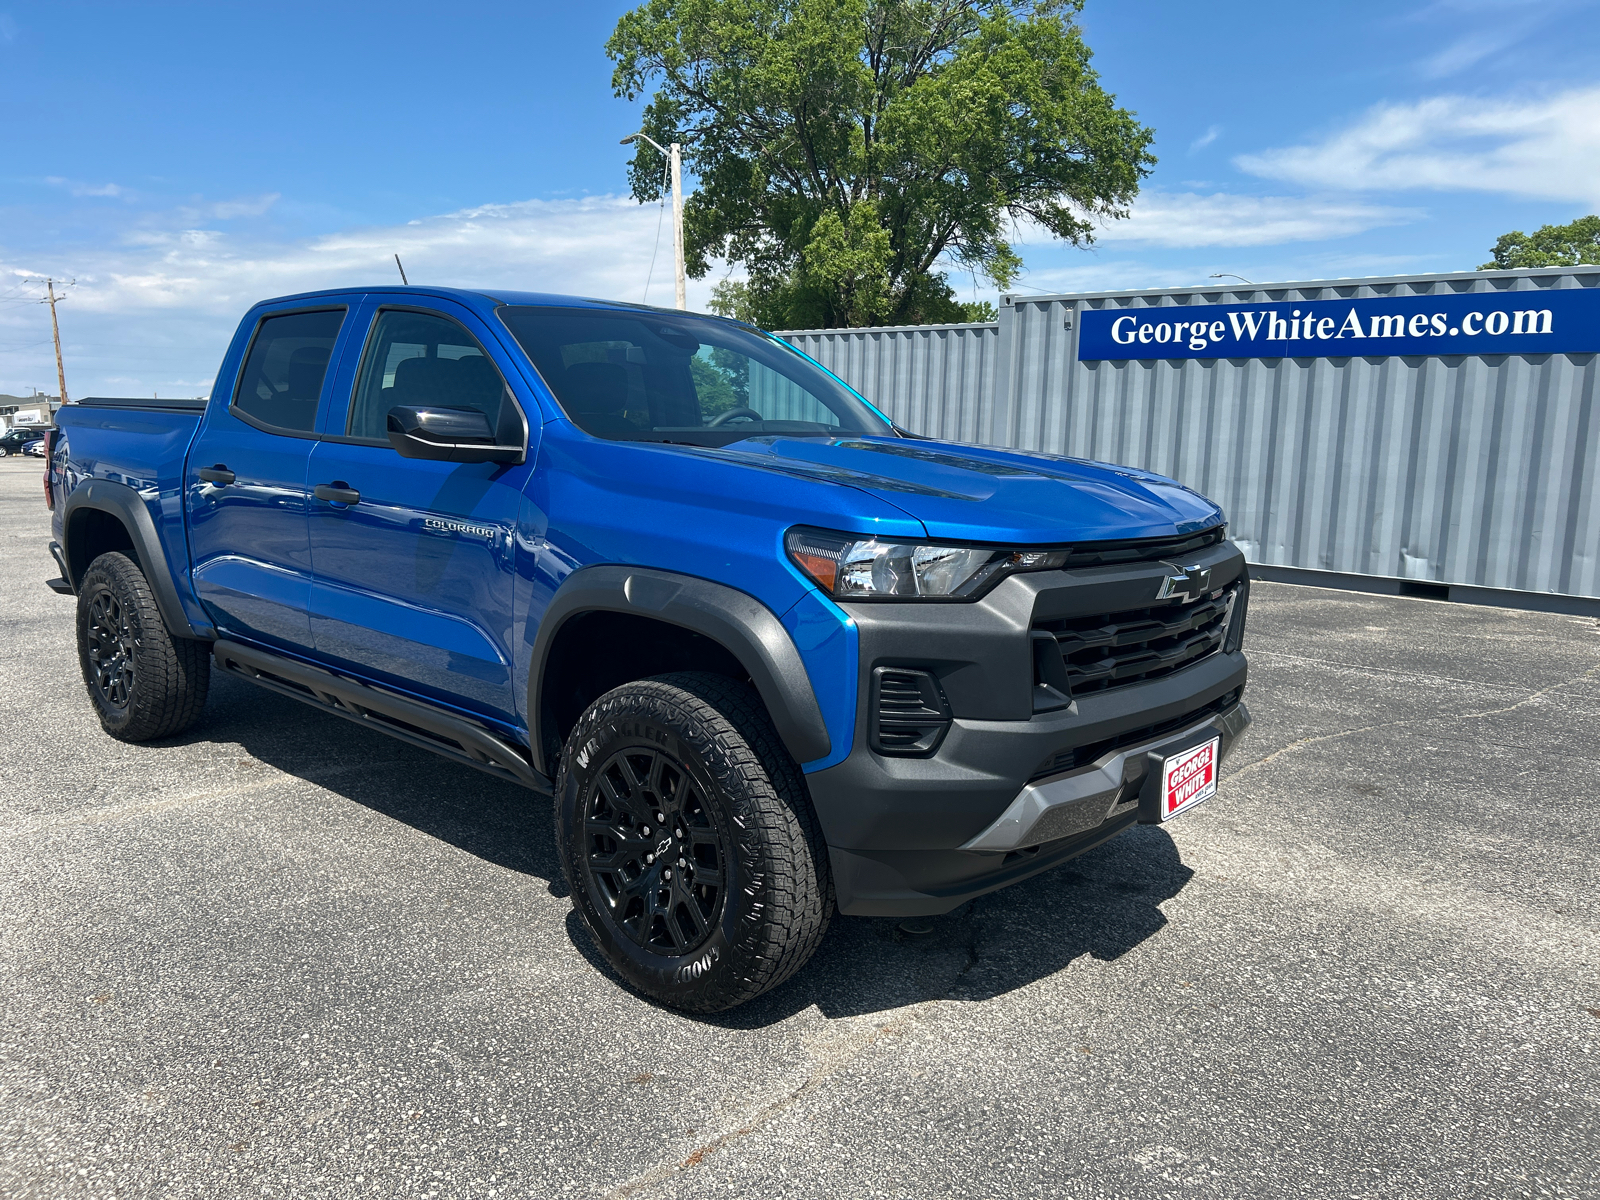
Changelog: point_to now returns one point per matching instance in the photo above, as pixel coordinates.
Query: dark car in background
(15, 441)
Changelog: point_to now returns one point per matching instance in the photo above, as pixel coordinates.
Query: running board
(409, 720)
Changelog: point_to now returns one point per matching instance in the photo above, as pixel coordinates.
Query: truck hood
(984, 494)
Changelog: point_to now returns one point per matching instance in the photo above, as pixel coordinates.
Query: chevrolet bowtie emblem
(1185, 583)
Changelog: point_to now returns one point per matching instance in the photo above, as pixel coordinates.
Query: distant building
(38, 411)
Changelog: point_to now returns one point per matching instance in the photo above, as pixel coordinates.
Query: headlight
(849, 567)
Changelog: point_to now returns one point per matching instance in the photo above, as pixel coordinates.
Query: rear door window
(281, 382)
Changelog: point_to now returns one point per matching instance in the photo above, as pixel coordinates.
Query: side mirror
(460, 435)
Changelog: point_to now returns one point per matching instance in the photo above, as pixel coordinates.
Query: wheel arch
(668, 616)
(100, 516)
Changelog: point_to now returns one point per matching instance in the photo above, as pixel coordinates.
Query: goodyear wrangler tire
(689, 843)
(144, 682)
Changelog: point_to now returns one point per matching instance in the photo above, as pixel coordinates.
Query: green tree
(715, 387)
(847, 150)
(1548, 246)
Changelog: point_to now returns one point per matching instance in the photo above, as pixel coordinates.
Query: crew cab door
(413, 559)
(245, 480)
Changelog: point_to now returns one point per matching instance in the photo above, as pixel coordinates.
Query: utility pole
(55, 328)
(55, 331)
(675, 158)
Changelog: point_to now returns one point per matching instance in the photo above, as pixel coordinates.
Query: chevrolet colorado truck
(771, 655)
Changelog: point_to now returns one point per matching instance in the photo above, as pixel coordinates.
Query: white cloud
(1186, 220)
(599, 246)
(1548, 148)
(75, 188)
(1205, 139)
(228, 210)
(1465, 52)
(155, 312)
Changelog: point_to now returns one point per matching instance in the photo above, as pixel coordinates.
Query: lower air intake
(909, 713)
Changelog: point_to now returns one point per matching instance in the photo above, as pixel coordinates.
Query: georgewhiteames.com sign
(1564, 321)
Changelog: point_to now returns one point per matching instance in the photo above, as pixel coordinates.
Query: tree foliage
(849, 152)
(1567, 245)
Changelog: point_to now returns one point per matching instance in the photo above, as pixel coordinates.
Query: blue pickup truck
(771, 655)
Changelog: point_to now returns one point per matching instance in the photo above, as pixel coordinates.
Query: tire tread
(746, 758)
(173, 675)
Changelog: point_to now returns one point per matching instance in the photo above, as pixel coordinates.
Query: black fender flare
(122, 502)
(735, 620)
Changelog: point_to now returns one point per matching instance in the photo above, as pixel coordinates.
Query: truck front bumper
(1048, 822)
(1008, 791)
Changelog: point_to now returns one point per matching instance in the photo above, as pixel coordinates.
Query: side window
(282, 377)
(417, 360)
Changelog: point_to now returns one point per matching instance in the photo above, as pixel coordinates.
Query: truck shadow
(1100, 905)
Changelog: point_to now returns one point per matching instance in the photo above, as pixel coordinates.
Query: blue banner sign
(1564, 321)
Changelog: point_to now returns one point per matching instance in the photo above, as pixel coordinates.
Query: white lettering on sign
(1188, 778)
(1559, 320)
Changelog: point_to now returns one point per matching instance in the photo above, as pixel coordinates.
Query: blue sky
(184, 160)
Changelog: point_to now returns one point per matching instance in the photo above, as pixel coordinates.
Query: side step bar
(409, 720)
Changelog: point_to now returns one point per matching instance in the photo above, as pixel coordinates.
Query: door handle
(336, 493)
(217, 474)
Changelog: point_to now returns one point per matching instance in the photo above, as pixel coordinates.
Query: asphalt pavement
(282, 955)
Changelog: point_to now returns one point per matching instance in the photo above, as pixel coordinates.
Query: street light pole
(677, 223)
(675, 158)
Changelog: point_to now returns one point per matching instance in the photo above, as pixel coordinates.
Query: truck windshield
(666, 377)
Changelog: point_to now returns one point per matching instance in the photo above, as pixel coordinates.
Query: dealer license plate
(1188, 778)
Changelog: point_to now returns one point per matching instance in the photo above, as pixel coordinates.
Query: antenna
(403, 278)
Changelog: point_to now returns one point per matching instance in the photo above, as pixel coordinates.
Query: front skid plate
(1080, 800)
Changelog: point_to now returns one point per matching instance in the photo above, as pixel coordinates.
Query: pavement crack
(1304, 743)
(833, 1060)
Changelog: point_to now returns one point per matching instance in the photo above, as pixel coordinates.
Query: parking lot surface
(285, 956)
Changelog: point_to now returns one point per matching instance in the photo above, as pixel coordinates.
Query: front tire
(688, 841)
(144, 683)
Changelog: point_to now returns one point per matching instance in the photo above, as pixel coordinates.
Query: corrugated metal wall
(934, 379)
(1473, 470)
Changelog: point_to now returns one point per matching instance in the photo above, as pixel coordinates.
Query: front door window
(414, 360)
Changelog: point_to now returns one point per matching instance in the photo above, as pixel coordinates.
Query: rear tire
(730, 893)
(144, 683)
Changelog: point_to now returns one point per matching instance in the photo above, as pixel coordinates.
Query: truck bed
(140, 446)
(186, 404)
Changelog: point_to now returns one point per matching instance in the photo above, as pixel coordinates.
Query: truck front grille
(1103, 554)
(1112, 650)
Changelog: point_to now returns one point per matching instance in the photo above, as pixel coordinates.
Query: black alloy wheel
(144, 683)
(654, 851)
(687, 836)
(110, 646)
